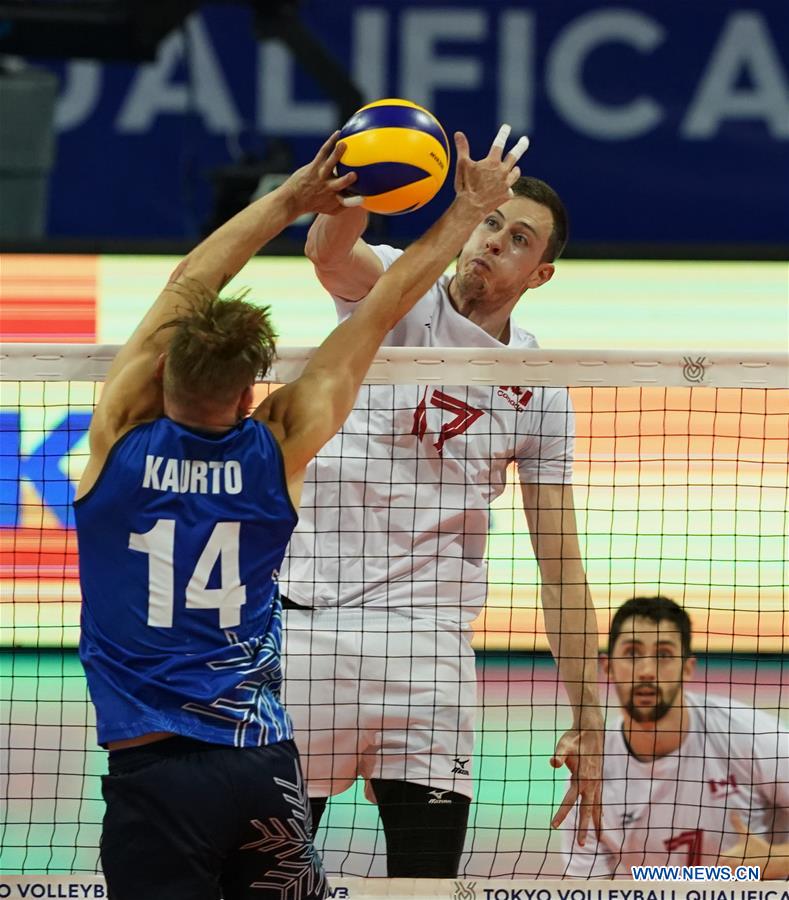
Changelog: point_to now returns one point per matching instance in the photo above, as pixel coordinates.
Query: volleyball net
(680, 479)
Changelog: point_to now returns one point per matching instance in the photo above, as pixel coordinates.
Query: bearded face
(648, 668)
(648, 703)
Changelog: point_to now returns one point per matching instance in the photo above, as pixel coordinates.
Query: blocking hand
(581, 750)
(487, 182)
(316, 188)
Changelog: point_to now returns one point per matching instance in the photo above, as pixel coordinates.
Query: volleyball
(400, 154)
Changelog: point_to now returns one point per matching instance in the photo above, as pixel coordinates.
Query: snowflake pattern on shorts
(299, 871)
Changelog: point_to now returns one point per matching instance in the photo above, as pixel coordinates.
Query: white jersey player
(687, 780)
(389, 553)
(372, 494)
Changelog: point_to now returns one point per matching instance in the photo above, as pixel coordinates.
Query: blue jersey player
(183, 514)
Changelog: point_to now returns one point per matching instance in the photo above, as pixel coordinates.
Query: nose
(646, 669)
(493, 242)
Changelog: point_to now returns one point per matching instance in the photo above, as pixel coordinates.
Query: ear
(245, 401)
(542, 274)
(159, 372)
(689, 667)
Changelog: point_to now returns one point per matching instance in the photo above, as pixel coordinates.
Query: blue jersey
(180, 544)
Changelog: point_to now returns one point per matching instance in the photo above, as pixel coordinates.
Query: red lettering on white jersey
(465, 417)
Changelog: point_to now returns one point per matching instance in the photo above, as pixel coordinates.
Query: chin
(645, 714)
(471, 283)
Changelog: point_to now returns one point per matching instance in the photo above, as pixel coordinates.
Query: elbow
(318, 250)
(312, 244)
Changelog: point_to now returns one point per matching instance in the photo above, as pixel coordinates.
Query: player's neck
(211, 420)
(491, 316)
(648, 741)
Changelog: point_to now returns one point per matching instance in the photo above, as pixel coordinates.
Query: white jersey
(676, 810)
(395, 508)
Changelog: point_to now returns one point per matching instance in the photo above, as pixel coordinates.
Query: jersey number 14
(222, 545)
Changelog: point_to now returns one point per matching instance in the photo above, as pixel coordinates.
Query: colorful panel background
(699, 514)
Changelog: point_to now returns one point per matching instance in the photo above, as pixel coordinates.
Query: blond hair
(219, 345)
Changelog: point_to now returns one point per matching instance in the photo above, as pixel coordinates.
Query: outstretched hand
(316, 188)
(581, 750)
(487, 182)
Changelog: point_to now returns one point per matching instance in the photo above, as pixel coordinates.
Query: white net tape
(456, 365)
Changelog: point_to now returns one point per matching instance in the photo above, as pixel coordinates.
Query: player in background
(183, 515)
(386, 570)
(688, 779)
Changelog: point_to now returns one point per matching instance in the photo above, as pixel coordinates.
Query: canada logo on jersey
(519, 400)
(720, 787)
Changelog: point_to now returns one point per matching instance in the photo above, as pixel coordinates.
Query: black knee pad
(425, 828)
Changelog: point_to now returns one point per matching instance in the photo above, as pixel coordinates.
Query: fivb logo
(693, 369)
(465, 890)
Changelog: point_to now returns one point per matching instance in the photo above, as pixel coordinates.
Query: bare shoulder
(103, 437)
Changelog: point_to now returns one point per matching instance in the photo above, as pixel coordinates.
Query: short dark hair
(656, 609)
(545, 195)
(219, 345)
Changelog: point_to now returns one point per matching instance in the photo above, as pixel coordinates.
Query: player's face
(647, 668)
(503, 256)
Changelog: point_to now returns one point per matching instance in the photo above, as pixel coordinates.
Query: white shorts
(378, 694)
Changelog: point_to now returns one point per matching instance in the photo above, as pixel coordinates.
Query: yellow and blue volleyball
(400, 154)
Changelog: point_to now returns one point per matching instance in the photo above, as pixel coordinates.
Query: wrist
(289, 196)
(465, 208)
(588, 717)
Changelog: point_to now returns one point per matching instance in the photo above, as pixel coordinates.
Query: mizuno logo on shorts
(438, 797)
(460, 767)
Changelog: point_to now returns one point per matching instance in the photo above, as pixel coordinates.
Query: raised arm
(309, 411)
(343, 262)
(571, 626)
(132, 391)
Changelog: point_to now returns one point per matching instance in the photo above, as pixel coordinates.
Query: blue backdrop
(656, 121)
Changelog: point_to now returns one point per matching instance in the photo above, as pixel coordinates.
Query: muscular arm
(570, 619)
(343, 262)
(132, 390)
(571, 626)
